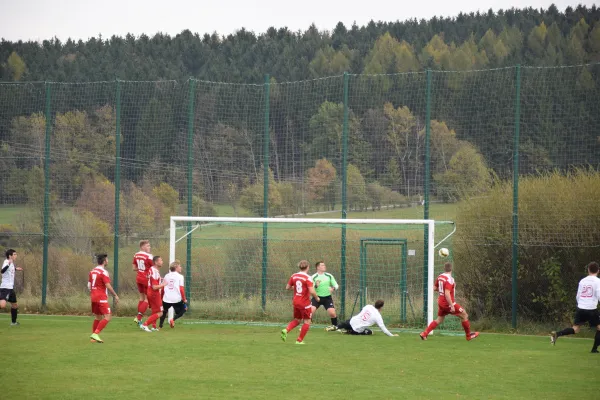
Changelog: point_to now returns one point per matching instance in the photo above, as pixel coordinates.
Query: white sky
(81, 19)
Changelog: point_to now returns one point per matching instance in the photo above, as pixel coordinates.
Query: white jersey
(588, 293)
(8, 276)
(174, 281)
(368, 316)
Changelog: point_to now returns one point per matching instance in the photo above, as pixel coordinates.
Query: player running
(98, 284)
(325, 284)
(155, 285)
(302, 285)
(446, 305)
(142, 262)
(588, 297)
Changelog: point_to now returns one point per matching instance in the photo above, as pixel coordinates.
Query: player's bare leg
(567, 331)
(333, 316)
(423, 335)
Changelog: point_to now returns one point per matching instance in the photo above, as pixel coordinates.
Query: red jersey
(97, 280)
(143, 262)
(445, 282)
(153, 279)
(301, 282)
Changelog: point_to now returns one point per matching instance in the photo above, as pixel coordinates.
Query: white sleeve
(381, 326)
(578, 291)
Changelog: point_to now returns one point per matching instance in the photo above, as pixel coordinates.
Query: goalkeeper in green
(325, 284)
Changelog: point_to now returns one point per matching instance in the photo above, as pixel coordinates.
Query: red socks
(101, 325)
(151, 320)
(303, 331)
(431, 327)
(467, 327)
(95, 325)
(294, 323)
(142, 307)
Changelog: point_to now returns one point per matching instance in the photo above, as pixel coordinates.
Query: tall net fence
(511, 155)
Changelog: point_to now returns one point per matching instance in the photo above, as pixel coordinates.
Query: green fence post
(426, 191)
(265, 192)
(46, 193)
(190, 181)
(344, 196)
(515, 215)
(117, 183)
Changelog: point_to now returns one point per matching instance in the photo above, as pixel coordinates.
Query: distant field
(9, 214)
(52, 358)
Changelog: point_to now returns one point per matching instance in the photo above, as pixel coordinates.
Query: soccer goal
(237, 268)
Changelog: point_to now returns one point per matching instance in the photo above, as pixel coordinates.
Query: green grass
(52, 358)
(10, 214)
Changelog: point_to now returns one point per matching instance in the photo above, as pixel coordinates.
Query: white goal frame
(430, 223)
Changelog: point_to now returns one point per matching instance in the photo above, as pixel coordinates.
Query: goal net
(237, 268)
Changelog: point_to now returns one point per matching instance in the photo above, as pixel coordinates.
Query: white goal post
(425, 222)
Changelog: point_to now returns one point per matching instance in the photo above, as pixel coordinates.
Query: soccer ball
(444, 252)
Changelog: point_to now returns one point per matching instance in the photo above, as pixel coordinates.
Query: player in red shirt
(446, 286)
(142, 262)
(155, 285)
(302, 285)
(98, 284)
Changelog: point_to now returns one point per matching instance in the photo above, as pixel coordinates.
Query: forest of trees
(494, 39)
(472, 114)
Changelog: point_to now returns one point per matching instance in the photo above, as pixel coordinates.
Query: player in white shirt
(368, 316)
(7, 287)
(588, 296)
(174, 295)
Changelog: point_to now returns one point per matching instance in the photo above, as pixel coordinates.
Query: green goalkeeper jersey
(323, 282)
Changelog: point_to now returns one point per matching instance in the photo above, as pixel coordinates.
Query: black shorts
(590, 316)
(8, 295)
(325, 301)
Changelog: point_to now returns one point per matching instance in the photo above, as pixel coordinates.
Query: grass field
(52, 358)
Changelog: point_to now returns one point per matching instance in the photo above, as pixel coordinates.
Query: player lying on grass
(174, 301)
(588, 296)
(98, 284)
(302, 285)
(360, 323)
(446, 287)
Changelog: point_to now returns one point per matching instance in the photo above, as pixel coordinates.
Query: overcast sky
(82, 19)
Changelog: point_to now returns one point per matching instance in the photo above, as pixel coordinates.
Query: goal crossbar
(430, 223)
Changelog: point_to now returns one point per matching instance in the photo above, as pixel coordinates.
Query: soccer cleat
(154, 329)
(14, 324)
(138, 322)
(473, 335)
(553, 338)
(284, 334)
(423, 336)
(145, 328)
(96, 338)
(595, 351)
(342, 330)
(297, 342)
(331, 328)
(172, 323)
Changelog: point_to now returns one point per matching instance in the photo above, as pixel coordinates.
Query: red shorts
(444, 309)
(142, 285)
(100, 307)
(301, 312)
(155, 302)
